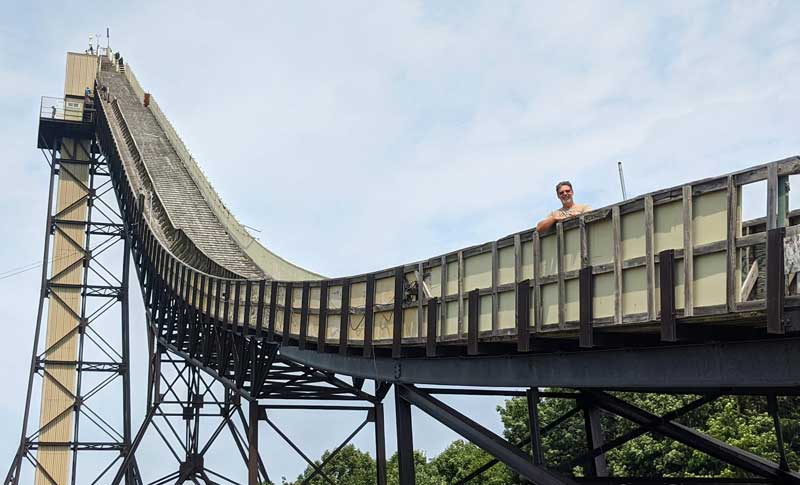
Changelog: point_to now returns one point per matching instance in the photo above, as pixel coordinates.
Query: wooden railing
(600, 270)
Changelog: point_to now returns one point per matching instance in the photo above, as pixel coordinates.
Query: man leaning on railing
(568, 207)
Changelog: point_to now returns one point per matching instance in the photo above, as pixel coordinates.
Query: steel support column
(532, 396)
(596, 467)
(85, 225)
(252, 441)
(694, 439)
(493, 444)
(380, 445)
(405, 438)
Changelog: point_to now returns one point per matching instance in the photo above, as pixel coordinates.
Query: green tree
(350, 466)
(741, 421)
(425, 473)
(459, 460)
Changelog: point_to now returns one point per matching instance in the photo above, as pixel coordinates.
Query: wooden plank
(688, 251)
(248, 295)
(191, 312)
(237, 289)
(421, 296)
(523, 315)
(584, 237)
(783, 201)
(517, 279)
(344, 317)
(176, 293)
(322, 332)
(397, 331)
(616, 229)
(226, 304)
(304, 304)
(649, 250)
(461, 293)
(273, 307)
(287, 310)
(537, 290)
(775, 281)
(666, 260)
(562, 287)
(732, 266)
(586, 333)
(430, 337)
(472, 324)
(218, 284)
(369, 316)
(210, 327)
(772, 196)
(749, 282)
(262, 288)
(495, 300)
(199, 321)
(443, 295)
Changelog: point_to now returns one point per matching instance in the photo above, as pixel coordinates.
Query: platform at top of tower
(72, 115)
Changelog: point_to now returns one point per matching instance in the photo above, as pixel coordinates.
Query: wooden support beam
(322, 333)
(562, 286)
(262, 288)
(369, 316)
(775, 281)
(586, 334)
(399, 293)
(688, 251)
(443, 294)
(772, 196)
(422, 294)
(430, 337)
(537, 289)
(734, 230)
(649, 249)
(304, 304)
(344, 320)
(749, 282)
(273, 307)
(461, 329)
(616, 229)
(495, 297)
(472, 327)
(666, 261)
(287, 310)
(523, 290)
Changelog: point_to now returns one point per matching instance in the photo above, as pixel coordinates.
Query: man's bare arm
(548, 222)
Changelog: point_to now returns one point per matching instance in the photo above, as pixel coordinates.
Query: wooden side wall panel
(61, 340)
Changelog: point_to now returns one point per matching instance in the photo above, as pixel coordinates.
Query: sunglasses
(565, 192)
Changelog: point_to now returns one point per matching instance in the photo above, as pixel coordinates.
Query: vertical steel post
(772, 406)
(537, 452)
(17, 465)
(405, 439)
(252, 440)
(783, 201)
(380, 444)
(594, 439)
(82, 324)
(126, 350)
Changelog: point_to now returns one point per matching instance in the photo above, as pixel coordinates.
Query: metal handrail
(52, 108)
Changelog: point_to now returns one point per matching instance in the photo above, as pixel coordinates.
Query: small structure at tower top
(73, 115)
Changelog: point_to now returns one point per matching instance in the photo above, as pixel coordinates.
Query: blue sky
(357, 136)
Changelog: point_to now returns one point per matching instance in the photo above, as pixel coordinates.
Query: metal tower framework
(201, 369)
(527, 457)
(101, 324)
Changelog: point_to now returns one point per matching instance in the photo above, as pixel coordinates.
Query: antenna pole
(622, 182)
